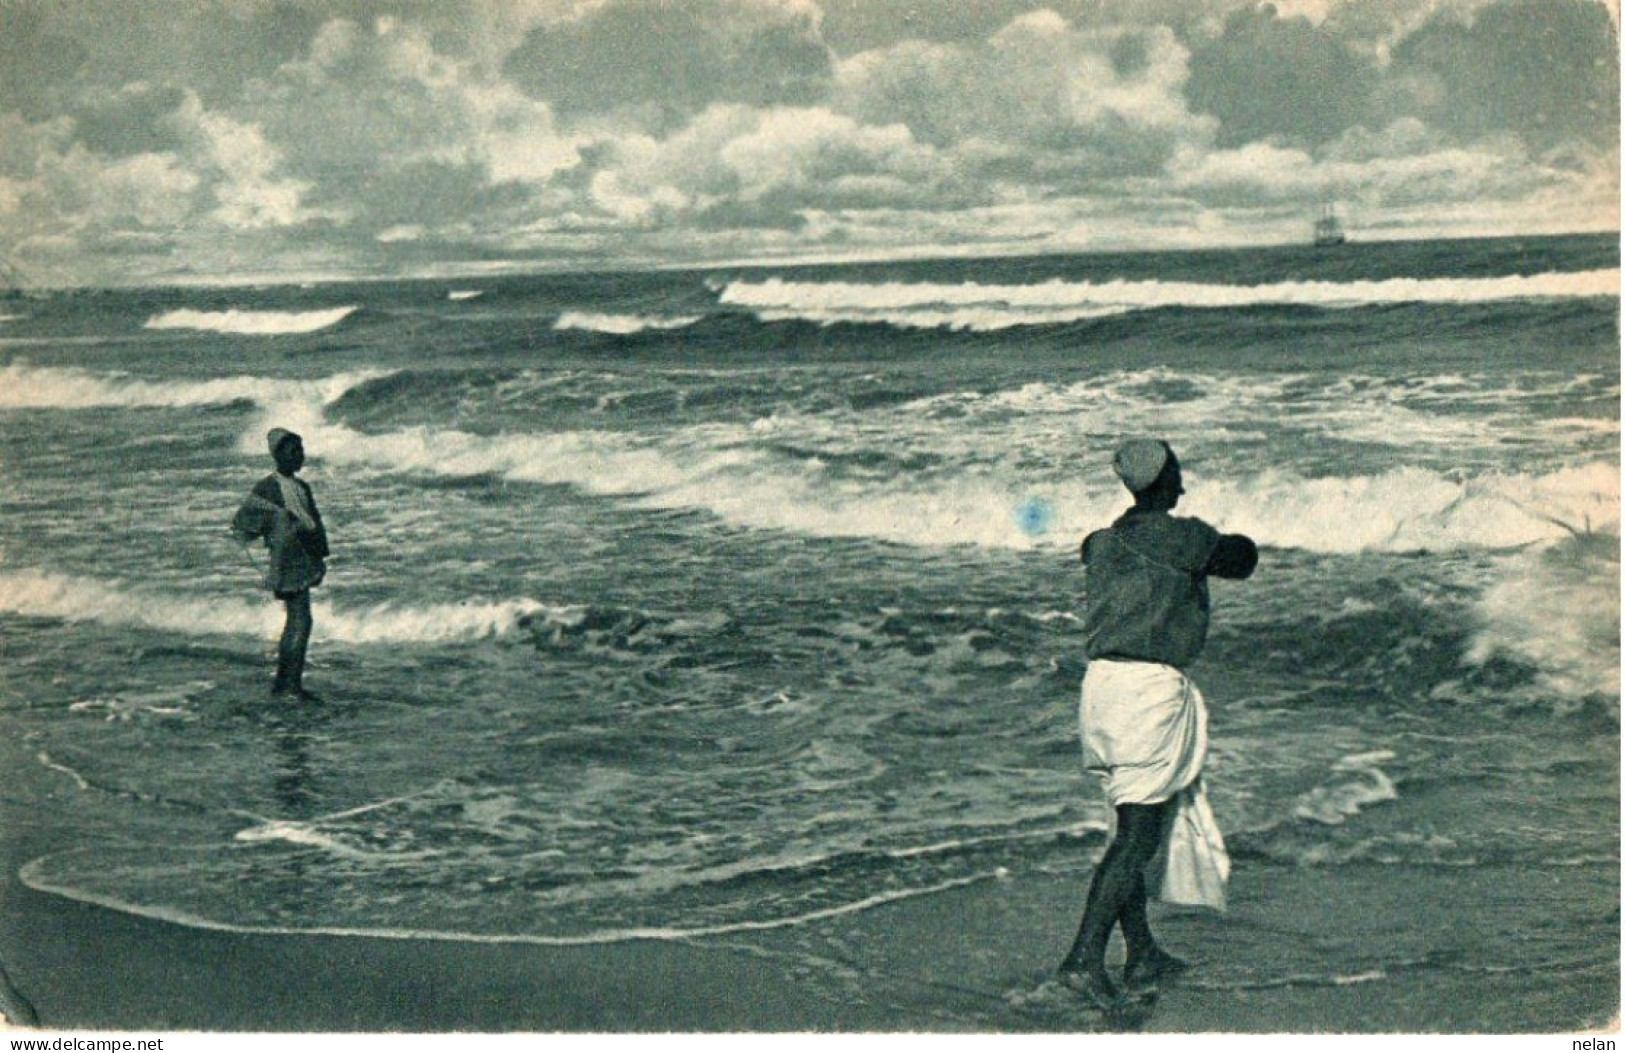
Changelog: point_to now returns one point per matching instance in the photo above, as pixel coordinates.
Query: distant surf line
(973, 305)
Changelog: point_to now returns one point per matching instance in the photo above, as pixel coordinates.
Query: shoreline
(961, 962)
(1366, 948)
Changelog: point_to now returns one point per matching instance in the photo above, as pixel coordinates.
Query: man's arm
(318, 536)
(1234, 556)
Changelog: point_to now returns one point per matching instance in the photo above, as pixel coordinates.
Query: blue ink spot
(1034, 515)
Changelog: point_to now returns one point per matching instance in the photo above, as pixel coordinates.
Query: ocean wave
(621, 324)
(1413, 509)
(39, 387)
(251, 323)
(972, 305)
(464, 294)
(400, 854)
(963, 319)
(1357, 784)
(721, 470)
(1556, 611)
(1472, 416)
(44, 875)
(40, 594)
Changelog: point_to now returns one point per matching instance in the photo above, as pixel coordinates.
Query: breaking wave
(251, 323)
(722, 470)
(39, 387)
(39, 594)
(978, 307)
(1555, 610)
(622, 324)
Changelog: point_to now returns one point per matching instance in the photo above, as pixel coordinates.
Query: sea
(670, 604)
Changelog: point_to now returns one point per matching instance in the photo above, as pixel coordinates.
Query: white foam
(1465, 414)
(729, 471)
(306, 835)
(984, 319)
(435, 623)
(32, 874)
(1556, 608)
(1358, 785)
(464, 294)
(77, 599)
(51, 765)
(1411, 509)
(622, 324)
(1401, 511)
(975, 305)
(251, 323)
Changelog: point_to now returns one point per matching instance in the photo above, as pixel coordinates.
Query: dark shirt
(1145, 580)
(297, 553)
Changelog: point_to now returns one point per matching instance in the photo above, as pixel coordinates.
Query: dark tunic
(1146, 596)
(297, 553)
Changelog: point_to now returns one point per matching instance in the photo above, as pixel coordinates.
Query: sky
(220, 140)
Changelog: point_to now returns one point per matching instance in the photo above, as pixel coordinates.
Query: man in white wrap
(1144, 723)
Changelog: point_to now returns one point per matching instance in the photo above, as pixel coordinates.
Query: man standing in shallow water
(1144, 723)
(282, 510)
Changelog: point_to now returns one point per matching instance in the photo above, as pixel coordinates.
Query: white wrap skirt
(1144, 729)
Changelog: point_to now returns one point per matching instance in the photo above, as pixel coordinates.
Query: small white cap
(1138, 462)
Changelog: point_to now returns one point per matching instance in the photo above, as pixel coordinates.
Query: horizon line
(504, 269)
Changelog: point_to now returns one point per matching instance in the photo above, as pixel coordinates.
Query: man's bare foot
(1095, 987)
(1145, 973)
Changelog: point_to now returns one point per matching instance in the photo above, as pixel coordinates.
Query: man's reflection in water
(293, 785)
(295, 735)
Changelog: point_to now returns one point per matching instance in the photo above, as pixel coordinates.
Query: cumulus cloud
(249, 193)
(1546, 71)
(1040, 102)
(743, 166)
(1268, 76)
(658, 63)
(372, 134)
(389, 131)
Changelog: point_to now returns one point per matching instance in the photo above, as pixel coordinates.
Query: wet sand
(1303, 950)
(972, 960)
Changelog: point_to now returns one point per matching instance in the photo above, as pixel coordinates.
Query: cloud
(1040, 103)
(390, 131)
(1271, 77)
(145, 191)
(659, 63)
(1543, 70)
(249, 193)
(1546, 71)
(1037, 81)
(368, 128)
(37, 64)
(371, 134)
(1406, 179)
(764, 168)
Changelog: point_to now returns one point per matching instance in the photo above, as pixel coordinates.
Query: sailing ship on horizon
(1329, 229)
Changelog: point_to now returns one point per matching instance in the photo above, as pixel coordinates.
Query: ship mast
(1328, 229)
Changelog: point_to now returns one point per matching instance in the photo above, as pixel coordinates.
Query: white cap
(1138, 462)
